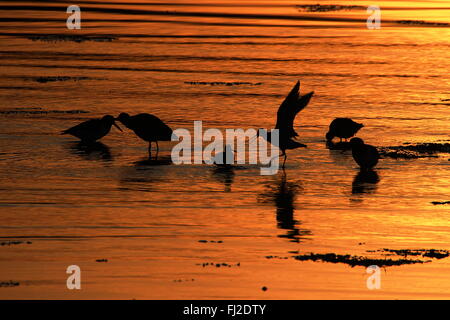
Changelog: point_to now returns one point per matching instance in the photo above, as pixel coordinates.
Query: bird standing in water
(147, 127)
(343, 128)
(366, 156)
(92, 130)
(225, 158)
(286, 114)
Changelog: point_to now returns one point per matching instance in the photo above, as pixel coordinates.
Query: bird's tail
(298, 144)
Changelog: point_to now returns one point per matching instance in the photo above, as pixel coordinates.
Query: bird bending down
(92, 130)
(288, 110)
(225, 158)
(366, 156)
(343, 128)
(147, 127)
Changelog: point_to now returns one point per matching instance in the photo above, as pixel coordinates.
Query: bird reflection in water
(91, 150)
(340, 153)
(223, 170)
(283, 194)
(338, 145)
(365, 182)
(150, 162)
(145, 175)
(225, 175)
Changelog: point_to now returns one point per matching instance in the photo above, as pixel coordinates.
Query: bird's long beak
(115, 125)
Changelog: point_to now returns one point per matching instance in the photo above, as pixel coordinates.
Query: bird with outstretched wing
(286, 114)
(288, 110)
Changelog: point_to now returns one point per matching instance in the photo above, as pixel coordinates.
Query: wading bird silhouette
(343, 128)
(91, 130)
(147, 127)
(366, 156)
(288, 110)
(225, 158)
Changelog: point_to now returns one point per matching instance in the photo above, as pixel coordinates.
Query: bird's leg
(157, 148)
(285, 157)
(150, 150)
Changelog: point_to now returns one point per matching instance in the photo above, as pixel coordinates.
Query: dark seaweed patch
(10, 243)
(426, 253)
(9, 283)
(183, 280)
(17, 88)
(277, 257)
(221, 83)
(218, 265)
(210, 241)
(428, 147)
(36, 110)
(327, 7)
(415, 151)
(440, 202)
(73, 38)
(355, 260)
(58, 78)
(422, 23)
(402, 154)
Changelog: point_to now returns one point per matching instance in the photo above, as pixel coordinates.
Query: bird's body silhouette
(225, 158)
(343, 128)
(286, 114)
(366, 156)
(365, 182)
(92, 130)
(147, 127)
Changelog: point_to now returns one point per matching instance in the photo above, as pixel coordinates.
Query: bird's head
(111, 121)
(260, 132)
(329, 136)
(108, 118)
(123, 117)
(257, 134)
(360, 125)
(355, 142)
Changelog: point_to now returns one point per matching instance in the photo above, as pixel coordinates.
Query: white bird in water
(288, 110)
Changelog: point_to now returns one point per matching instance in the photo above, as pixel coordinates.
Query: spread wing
(291, 105)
